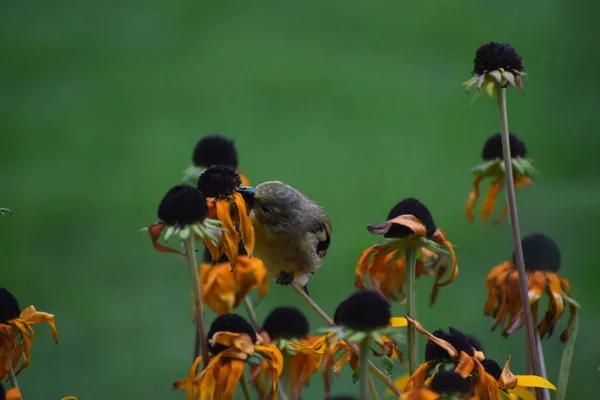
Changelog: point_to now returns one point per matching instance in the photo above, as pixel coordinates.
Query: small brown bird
(292, 232)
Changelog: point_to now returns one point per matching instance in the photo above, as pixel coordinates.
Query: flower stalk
(364, 368)
(534, 352)
(251, 313)
(411, 302)
(197, 300)
(380, 374)
(245, 388)
(12, 376)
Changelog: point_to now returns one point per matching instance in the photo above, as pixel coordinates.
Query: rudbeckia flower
(496, 64)
(219, 185)
(233, 344)
(493, 168)
(409, 224)
(542, 262)
(463, 355)
(212, 150)
(183, 211)
(224, 289)
(288, 329)
(16, 332)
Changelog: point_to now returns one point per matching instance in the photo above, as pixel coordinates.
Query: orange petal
(407, 220)
(246, 228)
(418, 378)
(440, 238)
(490, 201)
(13, 394)
(523, 181)
(502, 215)
(232, 379)
(465, 365)
(440, 342)
(472, 199)
(363, 266)
(507, 380)
(154, 231)
(244, 180)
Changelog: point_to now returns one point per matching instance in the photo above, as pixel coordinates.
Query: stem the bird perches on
(534, 353)
(364, 368)
(197, 299)
(380, 374)
(251, 313)
(12, 376)
(411, 303)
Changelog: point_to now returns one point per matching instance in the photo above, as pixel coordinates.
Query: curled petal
(472, 199)
(490, 201)
(507, 379)
(440, 238)
(440, 342)
(31, 316)
(246, 228)
(154, 231)
(409, 221)
(420, 375)
(363, 266)
(465, 365)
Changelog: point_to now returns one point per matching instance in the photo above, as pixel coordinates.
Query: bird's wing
(322, 231)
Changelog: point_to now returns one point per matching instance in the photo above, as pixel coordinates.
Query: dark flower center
(182, 205)
(364, 310)
(492, 149)
(215, 150)
(492, 56)
(540, 253)
(492, 368)
(413, 207)
(446, 382)
(229, 323)
(9, 306)
(219, 181)
(459, 340)
(286, 323)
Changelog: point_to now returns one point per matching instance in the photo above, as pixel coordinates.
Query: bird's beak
(248, 193)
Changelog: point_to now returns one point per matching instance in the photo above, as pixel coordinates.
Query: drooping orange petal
(465, 365)
(564, 336)
(232, 379)
(154, 231)
(440, 342)
(250, 273)
(231, 238)
(484, 385)
(557, 304)
(502, 214)
(363, 266)
(418, 378)
(246, 228)
(31, 316)
(472, 199)
(409, 221)
(497, 273)
(440, 238)
(218, 287)
(490, 201)
(523, 181)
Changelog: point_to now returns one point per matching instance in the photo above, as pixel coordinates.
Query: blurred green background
(358, 105)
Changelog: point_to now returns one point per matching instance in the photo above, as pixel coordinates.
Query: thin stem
(411, 303)
(245, 388)
(373, 389)
(251, 313)
(12, 376)
(363, 368)
(380, 374)
(536, 359)
(540, 350)
(197, 299)
(286, 380)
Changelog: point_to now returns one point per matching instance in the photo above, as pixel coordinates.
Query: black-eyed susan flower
(542, 262)
(183, 211)
(233, 344)
(17, 334)
(288, 329)
(219, 185)
(209, 151)
(409, 225)
(496, 64)
(224, 287)
(492, 168)
(463, 355)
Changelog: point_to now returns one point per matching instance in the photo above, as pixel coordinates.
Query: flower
(17, 334)
(183, 211)
(218, 184)
(233, 343)
(496, 64)
(493, 168)
(463, 356)
(288, 329)
(212, 150)
(224, 289)
(409, 225)
(363, 310)
(542, 262)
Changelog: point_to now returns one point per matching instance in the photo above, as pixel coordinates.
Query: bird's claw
(285, 278)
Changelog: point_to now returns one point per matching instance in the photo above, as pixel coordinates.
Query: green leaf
(253, 360)
(565, 364)
(358, 336)
(356, 375)
(387, 365)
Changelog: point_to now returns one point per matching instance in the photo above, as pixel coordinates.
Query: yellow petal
(397, 322)
(522, 393)
(534, 381)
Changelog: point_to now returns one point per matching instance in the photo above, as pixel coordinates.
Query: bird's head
(273, 202)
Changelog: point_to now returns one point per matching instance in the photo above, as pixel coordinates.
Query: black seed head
(541, 253)
(457, 339)
(414, 207)
(450, 382)
(182, 205)
(492, 56)
(219, 181)
(9, 306)
(215, 150)
(229, 323)
(492, 149)
(492, 368)
(364, 310)
(286, 323)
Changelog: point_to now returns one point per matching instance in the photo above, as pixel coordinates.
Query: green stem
(532, 347)
(380, 374)
(374, 395)
(364, 367)
(251, 313)
(12, 376)
(197, 299)
(286, 380)
(245, 388)
(411, 304)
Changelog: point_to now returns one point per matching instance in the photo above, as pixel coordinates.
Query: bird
(292, 232)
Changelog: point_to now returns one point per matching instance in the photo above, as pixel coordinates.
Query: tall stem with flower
(411, 303)
(364, 368)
